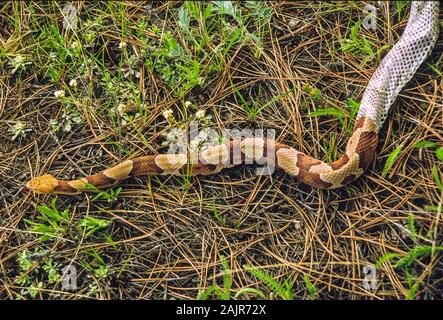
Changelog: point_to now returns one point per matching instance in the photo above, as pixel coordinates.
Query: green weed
(312, 290)
(391, 160)
(405, 262)
(110, 195)
(283, 290)
(358, 45)
(91, 225)
(36, 271)
(53, 222)
(223, 294)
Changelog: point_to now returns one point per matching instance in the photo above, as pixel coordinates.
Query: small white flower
(168, 114)
(188, 104)
(121, 108)
(20, 126)
(200, 114)
(73, 83)
(122, 45)
(18, 63)
(19, 59)
(74, 45)
(59, 94)
(293, 23)
(19, 130)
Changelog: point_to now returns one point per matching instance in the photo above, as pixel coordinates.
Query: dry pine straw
(165, 231)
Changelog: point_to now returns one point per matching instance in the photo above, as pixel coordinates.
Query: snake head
(43, 184)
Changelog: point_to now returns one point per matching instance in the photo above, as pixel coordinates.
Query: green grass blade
(391, 160)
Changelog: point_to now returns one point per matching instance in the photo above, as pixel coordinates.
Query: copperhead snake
(395, 70)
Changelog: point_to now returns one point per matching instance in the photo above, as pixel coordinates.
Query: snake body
(395, 70)
(356, 159)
